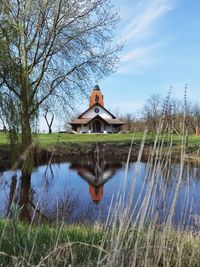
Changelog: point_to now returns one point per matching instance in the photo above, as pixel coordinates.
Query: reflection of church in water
(96, 174)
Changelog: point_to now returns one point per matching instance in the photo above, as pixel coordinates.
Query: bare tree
(57, 49)
(195, 116)
(152, 111)
(129, 121)
(48, 115)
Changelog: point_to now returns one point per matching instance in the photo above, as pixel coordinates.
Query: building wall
(109, 128)
(91, 113)
(86, 128)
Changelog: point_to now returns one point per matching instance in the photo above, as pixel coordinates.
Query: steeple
(96, 96)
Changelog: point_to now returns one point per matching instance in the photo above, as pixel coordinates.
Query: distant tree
(195, 116)
(129, 121)
(152, 111)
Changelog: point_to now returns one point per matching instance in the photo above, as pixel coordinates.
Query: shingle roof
(114, 121)
(80, 121)
(87, 120)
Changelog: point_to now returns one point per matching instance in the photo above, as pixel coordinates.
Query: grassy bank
(62, 138)
(67, 146)
(89, 245)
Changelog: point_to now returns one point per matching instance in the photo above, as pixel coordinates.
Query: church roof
(87, 120)
(79, 117)
(96, 87)
(80, 121)
(114, 121)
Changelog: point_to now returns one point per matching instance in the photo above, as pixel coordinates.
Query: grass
(77, 245)
(62, 138)
(25, 245)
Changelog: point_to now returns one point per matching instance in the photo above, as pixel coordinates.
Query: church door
(97, 126)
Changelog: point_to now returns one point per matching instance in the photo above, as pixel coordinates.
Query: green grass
(3, 139)
(77, 245)
(21, 244)
(50, 139)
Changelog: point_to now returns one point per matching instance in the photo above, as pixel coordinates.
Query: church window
(96, 98)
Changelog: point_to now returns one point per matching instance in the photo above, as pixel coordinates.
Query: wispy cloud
(133, 54)
(142, 22)
(139, 47)
(136, 59)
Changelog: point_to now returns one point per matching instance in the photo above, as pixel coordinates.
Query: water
(82, 191)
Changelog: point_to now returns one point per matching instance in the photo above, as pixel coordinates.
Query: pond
(82, 191)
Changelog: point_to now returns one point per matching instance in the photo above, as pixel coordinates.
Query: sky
(162, 49)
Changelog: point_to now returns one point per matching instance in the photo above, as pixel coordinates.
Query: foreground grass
(81, 246)
(45, 244)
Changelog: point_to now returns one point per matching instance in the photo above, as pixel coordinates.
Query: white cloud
(133, 54)
(137, 30)
(142, 23)
(138, 58)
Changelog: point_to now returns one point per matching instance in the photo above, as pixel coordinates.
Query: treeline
(172, 112)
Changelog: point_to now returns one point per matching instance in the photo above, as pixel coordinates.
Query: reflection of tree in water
(163, 193)
(13, 187)
(95, 171)
(70, 209)
(24, 198)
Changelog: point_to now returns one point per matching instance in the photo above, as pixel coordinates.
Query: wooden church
(96, 119)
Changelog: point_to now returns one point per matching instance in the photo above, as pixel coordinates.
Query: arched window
(96, 98)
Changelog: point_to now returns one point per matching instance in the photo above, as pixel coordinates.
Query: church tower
(96, 97)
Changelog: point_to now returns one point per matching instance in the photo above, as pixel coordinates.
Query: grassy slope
(45, 139)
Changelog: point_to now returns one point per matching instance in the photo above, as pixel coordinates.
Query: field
(62, 138)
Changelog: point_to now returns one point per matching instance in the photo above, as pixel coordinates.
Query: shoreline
(62, 152)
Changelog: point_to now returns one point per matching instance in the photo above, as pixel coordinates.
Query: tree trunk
(27, 164)
(50, 130)
(26, 132)
(26, 139)
(24, 201)
(49, 124)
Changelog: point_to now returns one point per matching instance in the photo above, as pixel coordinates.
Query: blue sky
(162, 49)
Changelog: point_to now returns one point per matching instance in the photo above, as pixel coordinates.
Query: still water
(82, 191)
